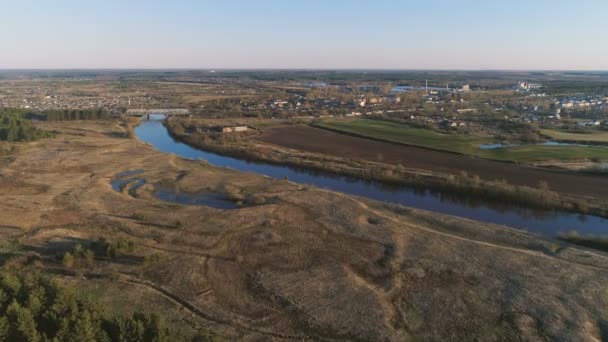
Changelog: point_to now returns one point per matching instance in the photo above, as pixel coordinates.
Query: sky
(304, 34)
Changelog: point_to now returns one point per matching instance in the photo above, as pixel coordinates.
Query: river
(548, 223)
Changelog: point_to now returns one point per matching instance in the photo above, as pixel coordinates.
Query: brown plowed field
(316, 140)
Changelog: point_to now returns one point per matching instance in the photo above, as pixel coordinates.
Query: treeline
(581, 87)
(511, 130)
(35, 308)
(14, 127)
(398, 119)
(70, 114)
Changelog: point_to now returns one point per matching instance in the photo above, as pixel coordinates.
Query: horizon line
(295, 69)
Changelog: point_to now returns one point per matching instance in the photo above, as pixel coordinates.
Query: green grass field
(461, 143)
(536, 153)
(595, 136)
(395, 132)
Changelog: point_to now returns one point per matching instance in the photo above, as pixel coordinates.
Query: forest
(15, 127)
(34, 307)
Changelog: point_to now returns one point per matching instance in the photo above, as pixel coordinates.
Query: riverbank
(307, 264)
(464, 184)
(305, 138)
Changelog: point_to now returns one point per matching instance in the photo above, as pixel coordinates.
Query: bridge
(166, 111)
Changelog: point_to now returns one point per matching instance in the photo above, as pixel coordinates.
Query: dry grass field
(298, 263)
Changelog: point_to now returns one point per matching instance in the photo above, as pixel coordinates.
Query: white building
(528, 86)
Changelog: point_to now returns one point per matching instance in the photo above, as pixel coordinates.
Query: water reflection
(499, 146)
(205, 198)
(546, 222)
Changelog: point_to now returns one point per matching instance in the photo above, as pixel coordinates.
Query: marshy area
(302, 262)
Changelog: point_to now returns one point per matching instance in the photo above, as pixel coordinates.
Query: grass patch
(535, 153)
(591, 136)
(394, 132)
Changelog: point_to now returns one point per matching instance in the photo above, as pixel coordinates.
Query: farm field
(394, 132)
(459, 143)
(595, 136)
(306, 138)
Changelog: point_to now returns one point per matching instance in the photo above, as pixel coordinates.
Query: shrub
(78, 257)
(256, 199)
(68, 260)
(114, 249)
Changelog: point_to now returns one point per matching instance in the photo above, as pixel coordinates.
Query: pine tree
(4, 328)
(22, 326)
(68, 260)
(83, 329)
(157, 330)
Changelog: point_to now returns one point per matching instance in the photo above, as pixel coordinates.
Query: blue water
(119, 184)
(495, 146)
(204, 198)
(544, 143)
(544, 222)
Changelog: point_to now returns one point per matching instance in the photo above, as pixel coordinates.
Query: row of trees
(71, 114)
(35, 308)
(15, 124)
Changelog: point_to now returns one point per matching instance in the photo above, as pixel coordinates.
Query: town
(454, 107)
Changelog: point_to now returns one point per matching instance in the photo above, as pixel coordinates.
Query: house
(280, 103)
(567, 105)
(234, 129)
(588, 123)
(227, 129)
(467, 110)
(528, 86)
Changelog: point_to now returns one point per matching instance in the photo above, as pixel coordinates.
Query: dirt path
(316, 140)
(196, 311)
(466, 239)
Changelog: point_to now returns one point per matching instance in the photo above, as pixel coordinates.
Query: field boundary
(388, 141)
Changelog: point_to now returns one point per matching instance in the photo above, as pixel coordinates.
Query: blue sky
(384, 34)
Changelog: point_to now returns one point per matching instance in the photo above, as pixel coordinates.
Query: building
(234, 129)
(526, 86)
(467, 110)
(226, 129)
(588, 123)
